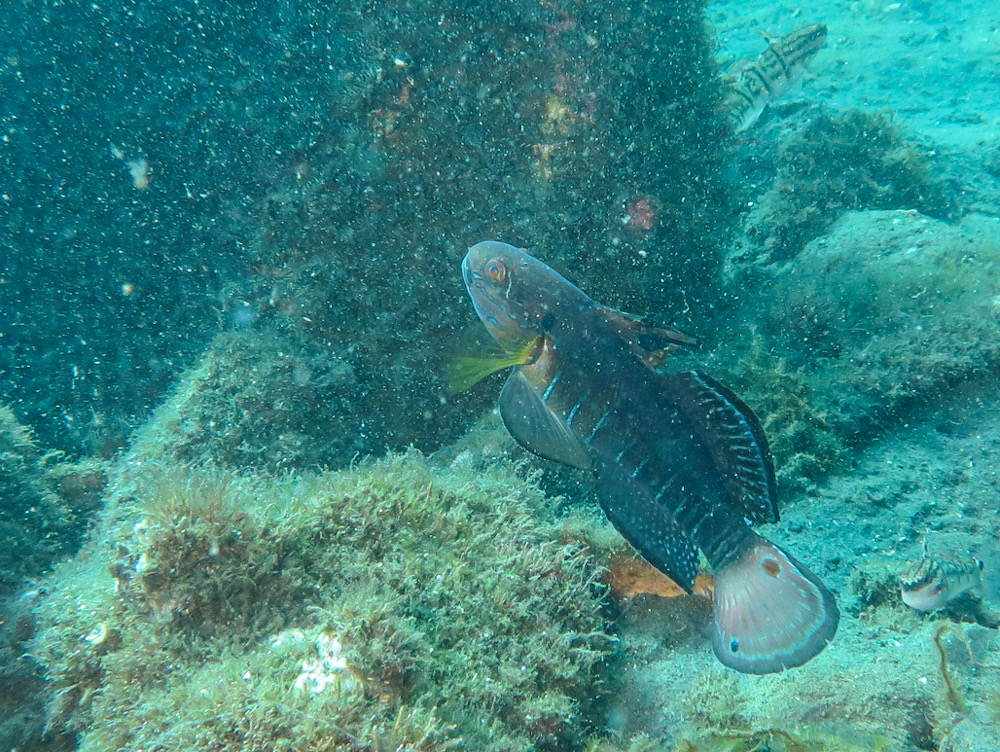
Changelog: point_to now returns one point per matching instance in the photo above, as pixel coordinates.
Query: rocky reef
(46, 503)
(239, 299)
(32, 517)
(888, 312)
(829, 163)
(369, 145)
(395, 606)
(506, 126)
(259, 398)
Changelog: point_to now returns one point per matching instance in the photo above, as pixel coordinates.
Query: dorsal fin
(735, 440)
(652, 344)
(535, 427)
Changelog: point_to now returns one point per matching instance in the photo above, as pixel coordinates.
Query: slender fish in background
(681, 462)
(937, 579)
(772, 74)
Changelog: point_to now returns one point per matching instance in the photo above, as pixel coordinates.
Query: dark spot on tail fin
(734, 438)
(771, 567)
(771, 612)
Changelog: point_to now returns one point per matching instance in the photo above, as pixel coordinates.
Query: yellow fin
(465, 367)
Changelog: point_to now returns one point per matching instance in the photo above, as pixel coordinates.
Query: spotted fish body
(772, 74)
(680, 462)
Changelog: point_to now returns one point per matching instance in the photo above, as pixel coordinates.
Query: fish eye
(496, 271)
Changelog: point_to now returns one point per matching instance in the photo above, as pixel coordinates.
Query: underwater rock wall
(326, 167)
(259, 398)
(820, 164)
(587, 134)
(46, 503)
(32, 517)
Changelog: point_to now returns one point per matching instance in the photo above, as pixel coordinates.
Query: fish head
(922, 584)
(514, 294)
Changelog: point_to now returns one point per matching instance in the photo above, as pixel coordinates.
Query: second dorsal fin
(734, 438)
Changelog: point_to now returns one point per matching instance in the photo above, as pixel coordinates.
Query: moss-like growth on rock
(260, 398)
(386, 607)
(36, 524)
(804, 443)
(780, 740)
(875, 586)
(45, 503)
(869, 324)
(838, 162)
(888, 311)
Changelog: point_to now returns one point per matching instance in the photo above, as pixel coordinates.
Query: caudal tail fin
(771, 613)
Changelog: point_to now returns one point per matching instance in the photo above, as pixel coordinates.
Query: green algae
(838, 162)
(46, 500)
(384, 607)
(778, 740)
(266, 399)
(889, 313)
(798, 428)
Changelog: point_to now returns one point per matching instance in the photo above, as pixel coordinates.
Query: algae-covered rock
(260, 398)
(36, 525)
(45, 503)
(791, 409)
(837, 162)
(587, 133)
(388, 607)
(890, 308)
(871, 322)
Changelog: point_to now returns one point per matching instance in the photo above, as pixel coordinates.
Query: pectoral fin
(535, 427)
(469, 362)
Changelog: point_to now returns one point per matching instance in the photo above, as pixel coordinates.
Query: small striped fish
(681, 463)
(937, 579)
(772, 74)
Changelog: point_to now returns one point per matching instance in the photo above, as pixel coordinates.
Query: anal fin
(647, 525)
